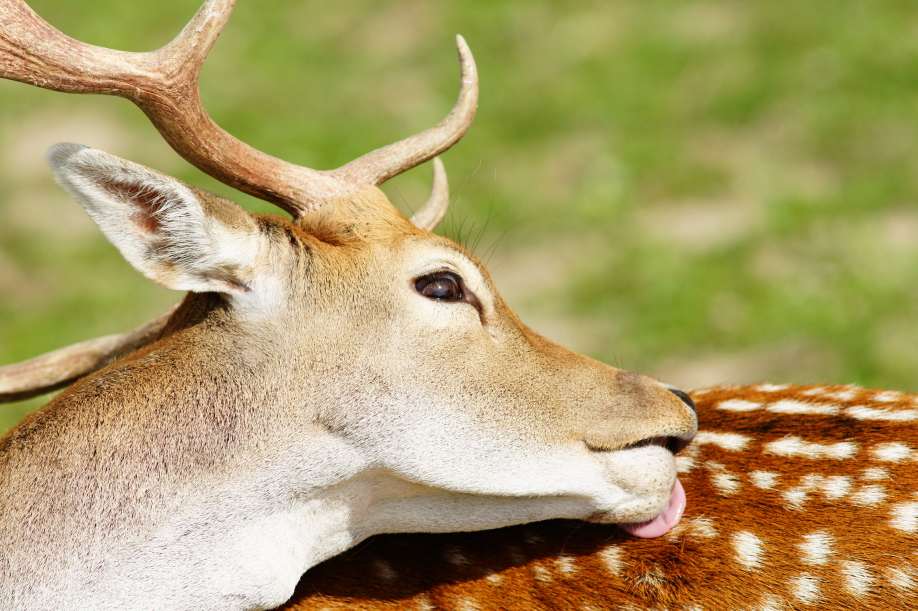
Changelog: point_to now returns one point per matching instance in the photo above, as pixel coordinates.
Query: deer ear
(176, 235)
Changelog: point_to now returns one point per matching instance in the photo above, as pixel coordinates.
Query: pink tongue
(664, 522)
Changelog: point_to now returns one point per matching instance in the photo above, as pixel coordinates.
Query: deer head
(329, 377)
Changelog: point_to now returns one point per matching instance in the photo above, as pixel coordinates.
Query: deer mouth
(665, 521)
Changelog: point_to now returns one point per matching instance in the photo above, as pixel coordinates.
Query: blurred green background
(709, 192)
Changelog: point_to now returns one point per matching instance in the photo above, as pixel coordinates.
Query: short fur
(304, 397)
(800, 497)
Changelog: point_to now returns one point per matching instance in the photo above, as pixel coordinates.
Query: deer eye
(442, 286)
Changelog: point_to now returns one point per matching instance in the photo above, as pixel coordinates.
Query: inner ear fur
(177, 235)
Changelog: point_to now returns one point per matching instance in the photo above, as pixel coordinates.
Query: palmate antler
(164, 84)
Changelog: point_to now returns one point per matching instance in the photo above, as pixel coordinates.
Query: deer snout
(677, 444)
(651, 414)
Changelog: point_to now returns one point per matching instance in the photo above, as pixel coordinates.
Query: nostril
(685, 398)
(676, 444)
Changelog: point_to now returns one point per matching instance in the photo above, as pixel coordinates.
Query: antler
(431, 213)
(164, 84)
(62, 367)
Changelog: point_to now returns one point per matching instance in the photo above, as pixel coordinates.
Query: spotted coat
(799, 497)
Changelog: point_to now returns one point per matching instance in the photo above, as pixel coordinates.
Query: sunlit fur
(765, 528)
(303, 398)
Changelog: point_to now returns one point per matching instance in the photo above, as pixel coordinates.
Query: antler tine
(61, 367)
(431, 213)
(378, 166)
(164, 84)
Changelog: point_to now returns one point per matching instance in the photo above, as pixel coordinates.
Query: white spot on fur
(653, 577)
(905, 517)
(727, 441)
(795, 446)
(541, 573)
(771, 387)
(883, 414)
(749, 549)
(466, 603)
(891, 452)
(857, 577)
(805, 588)
(869, 496)
(533, 539)
(495, 578)
(789, 406)
(763, 479)
(843, 395)
(383, 570)
(835, 487)
(770, 603)
(702, 527)
(723, 481)
(424, 604)
(795, 497)
(455, 557)
(832, 487)
(887, 396)
(902, 577)
(613, 558)
(686, 461)
(816, 547)
(565, 565)
(875, 474)
(739, 405)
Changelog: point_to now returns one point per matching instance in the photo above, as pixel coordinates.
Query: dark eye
(442, 287)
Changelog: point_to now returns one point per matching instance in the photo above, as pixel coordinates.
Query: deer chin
(665, 521)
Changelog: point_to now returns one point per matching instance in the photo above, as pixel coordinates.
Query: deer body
(801, 497)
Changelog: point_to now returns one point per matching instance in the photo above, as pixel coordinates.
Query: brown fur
(561, 565)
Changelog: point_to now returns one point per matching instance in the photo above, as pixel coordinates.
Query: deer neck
(204, 463)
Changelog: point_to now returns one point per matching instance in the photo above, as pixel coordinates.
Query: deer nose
(685, 398)
(677, 444)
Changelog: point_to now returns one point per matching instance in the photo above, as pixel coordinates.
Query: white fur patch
(749, 549)
(902, 577)
(869, 496)
(613, 559)
(727, 441)
(882, 414)
(763, 479)
(905, 517)
(816, 548)
(843, 395)
(857, 577)
(789, 406)
(739, 405)
(771, 387)
(875, 474)
(566, 565)
(805, 588)
(725, 482)
(835, 487)
(891, 452)
(794, 446)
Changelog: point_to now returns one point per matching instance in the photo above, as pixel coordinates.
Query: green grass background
(706, 191)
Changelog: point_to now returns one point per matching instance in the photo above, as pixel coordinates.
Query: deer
(326, 378)
(798, 497)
